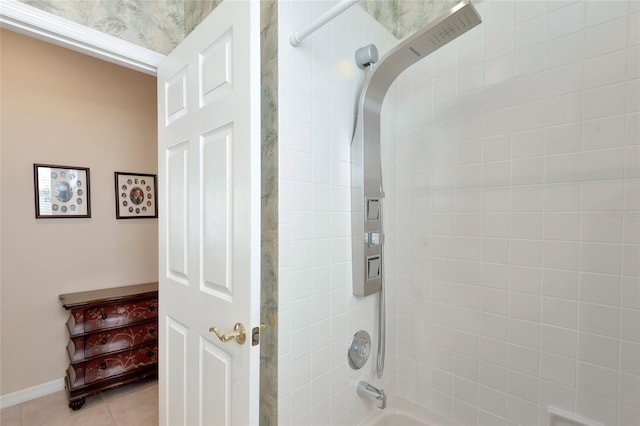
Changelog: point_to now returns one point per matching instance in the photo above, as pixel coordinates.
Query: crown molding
(28, 20)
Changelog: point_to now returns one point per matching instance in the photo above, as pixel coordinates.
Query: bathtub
(405, 413)
(394, 419)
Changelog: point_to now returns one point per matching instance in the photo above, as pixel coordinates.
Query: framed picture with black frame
(61, 191)
(136, 195)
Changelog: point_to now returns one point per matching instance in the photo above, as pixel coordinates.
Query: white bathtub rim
(397, 405)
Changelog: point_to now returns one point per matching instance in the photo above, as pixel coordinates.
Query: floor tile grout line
(106, 405)
(20, 417)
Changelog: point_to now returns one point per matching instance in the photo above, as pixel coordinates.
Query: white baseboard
(33, 392)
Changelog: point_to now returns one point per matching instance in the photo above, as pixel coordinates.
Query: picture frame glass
(136, 195)
(61, 191)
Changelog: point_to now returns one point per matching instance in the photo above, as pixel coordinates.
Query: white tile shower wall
(517, 217)
(318, 88)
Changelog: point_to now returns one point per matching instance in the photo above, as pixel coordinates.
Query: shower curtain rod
(296, 37)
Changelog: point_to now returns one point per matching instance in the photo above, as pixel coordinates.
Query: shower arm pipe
(296, 37)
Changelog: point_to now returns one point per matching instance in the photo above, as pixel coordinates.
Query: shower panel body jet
(367, 192)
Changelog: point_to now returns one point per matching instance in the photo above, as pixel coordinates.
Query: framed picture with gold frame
(61, 191)
(136, 196)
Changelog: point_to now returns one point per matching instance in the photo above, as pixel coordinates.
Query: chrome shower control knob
(359, 350)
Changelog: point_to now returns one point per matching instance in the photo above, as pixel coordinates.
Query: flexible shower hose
(382, 321)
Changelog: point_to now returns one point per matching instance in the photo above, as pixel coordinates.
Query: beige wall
(61, 107)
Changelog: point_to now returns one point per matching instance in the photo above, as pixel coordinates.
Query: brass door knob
(238, 334)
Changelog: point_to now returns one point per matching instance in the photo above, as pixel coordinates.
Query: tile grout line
(104, 401)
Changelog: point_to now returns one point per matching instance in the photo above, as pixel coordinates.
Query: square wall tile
(563, 139)
(601, 258)
(604, 133)
(557, 369)
(566, 20)
(630, 357)
(629, 329)
(599, 350)
(558, 341)
(524, 360)
(559, 312)
(603, 164)
(523, 386)
(600, 319)
(598, 288)
(595, 407)
(553, 394)
(597, 380)
(604, 102)
(562, 284)
(492, 400)
(605, 37)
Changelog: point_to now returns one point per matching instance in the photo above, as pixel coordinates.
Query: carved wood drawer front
(114, 364)
(100, 343)
(119, 315)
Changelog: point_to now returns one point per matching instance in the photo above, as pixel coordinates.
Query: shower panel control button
(373, 267)
(373, 209)
(373, 238)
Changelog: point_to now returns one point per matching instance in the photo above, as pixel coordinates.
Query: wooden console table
(113, 339)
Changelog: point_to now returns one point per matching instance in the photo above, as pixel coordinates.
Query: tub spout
(368, 391)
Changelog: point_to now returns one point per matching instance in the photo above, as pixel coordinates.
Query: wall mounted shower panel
(367, 197)
(367, 193)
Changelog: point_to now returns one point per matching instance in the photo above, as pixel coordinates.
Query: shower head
(457, 21)
(460, 19)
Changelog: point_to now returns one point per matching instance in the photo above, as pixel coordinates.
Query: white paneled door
(209, 179)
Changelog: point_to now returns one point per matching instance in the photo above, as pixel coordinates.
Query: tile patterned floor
(132, 405)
